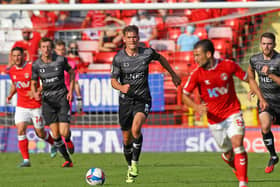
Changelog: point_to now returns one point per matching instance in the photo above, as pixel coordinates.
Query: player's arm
(118, 86)
(270, 74)
(175, 78)
(12, 92)
(255, 88)
(35, 91)
(72, 84)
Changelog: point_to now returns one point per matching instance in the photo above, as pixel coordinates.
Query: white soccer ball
(95, 176)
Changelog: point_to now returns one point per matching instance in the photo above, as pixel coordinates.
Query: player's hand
(125, 88)
(69, 96)
(201, 109)
(265, 70)
(250, 95)
(176, 80)
(30, 94)
(37, 96)
(8, 100)
(263, 104)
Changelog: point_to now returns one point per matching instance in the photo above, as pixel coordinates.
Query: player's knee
(239, 150)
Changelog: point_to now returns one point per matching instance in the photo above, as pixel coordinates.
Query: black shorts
(274, 111)
(56, 109)
(127, 110)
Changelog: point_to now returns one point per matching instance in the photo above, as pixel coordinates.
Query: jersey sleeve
(155, 55)
(191, 83)
(35, 73)
(238, 71)
(252, 63)
(115, 71)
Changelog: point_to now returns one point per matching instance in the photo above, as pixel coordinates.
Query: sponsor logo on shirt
(22, 84)
(218, 91)
(54, 79)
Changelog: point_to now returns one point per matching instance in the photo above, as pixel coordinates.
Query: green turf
(156, 169)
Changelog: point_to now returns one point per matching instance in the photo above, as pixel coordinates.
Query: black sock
(127, 150)
(62, 149)
(268, 140)
(137, 145)
(68, 138)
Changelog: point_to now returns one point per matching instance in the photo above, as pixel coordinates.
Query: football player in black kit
(130, 77)
(56, 110)
(267, 66)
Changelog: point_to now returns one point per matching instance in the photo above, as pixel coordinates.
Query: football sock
(62, 149)
(137, 145)
(241, 163)
(68, 138)
(229, 162)
(127, 150)
(48, 138)
(23, 146)
(268, 140)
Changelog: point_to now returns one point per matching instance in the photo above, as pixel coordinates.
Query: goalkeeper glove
(79, 104)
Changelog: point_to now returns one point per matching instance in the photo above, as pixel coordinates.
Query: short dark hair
(206, 45)
(59, 42)
(131, 28)
(21, 50)
(46, 39)
(269, 35)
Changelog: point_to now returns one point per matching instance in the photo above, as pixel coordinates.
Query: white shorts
(225, 130)
(28, 115)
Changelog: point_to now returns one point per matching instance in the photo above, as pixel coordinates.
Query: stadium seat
(6, 23)
(173, 33)
(13, 35)
(163, 45)
(220, 32)
(2, 36)
(86, 57)
(155, 67)
(104, 57)
(86, 46)
(223, 46)
(201, 33)
(184, 56)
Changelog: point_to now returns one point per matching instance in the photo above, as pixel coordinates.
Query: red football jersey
(216, 88)
(21, 78)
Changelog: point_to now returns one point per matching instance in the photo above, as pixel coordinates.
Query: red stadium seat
(173, 33)
(104, 57)
(201, 33)
(186, 56)
(224, 47)
(155, 67)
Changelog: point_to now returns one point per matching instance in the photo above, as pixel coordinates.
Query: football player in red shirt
(214, 79)
(27, 109)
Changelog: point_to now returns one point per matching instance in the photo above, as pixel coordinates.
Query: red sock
(229, 162)
(48, 138)
(241, 164)
(23, 147)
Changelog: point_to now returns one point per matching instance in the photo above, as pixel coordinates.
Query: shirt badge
(224, 76)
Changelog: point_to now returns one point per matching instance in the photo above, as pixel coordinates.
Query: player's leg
(128, 150)
(268, 139)
(138, 121)
(21, 117)
(60, 144)
(125, 120)
(228, 158)
(51, 117)
(38, 122)
(236, 131)
(64, 116)
(23, 144)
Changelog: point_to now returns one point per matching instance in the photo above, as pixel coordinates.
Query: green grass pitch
(156, 170)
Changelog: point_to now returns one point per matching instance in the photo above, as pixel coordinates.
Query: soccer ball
(95, 176)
